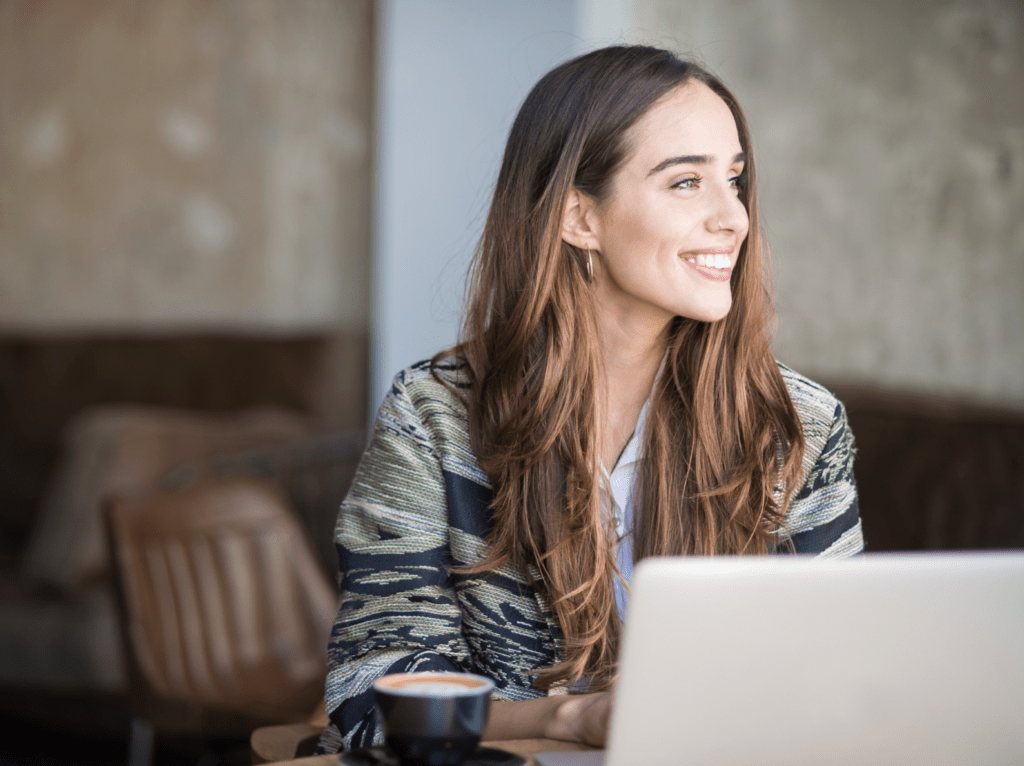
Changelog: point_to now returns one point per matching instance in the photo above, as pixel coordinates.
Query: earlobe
(576, 226)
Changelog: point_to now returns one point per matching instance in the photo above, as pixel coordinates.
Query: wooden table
(524, 748)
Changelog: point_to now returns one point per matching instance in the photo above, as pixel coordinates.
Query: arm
(572, 717)
(824, 516)
(398, 611)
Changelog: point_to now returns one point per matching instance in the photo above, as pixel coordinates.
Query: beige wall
(180, 164)
(890, 141)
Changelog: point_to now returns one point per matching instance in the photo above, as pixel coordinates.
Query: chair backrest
(225, 603)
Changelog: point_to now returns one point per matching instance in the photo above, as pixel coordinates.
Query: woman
(614, 397)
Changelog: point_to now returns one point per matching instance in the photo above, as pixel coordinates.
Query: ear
(579, 222)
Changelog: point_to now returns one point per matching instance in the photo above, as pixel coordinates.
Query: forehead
(691, 119)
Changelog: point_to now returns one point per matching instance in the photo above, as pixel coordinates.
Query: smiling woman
(614, 397)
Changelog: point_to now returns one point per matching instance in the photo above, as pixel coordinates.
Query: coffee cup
(433, 718)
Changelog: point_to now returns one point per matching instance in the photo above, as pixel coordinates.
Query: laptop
(909, 659)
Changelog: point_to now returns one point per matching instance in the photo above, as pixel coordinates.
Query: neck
(632, 350)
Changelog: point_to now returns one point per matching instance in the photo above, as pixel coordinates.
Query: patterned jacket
(419, 505)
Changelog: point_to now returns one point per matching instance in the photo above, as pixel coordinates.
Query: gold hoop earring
(590, 266)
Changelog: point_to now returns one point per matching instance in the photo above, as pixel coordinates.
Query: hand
(583, 718)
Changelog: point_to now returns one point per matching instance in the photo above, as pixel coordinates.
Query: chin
(708, 313)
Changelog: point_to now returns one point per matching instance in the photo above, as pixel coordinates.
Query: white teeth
(712, 261)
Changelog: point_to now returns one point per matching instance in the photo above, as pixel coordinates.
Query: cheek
(626, 226)
(647, 231)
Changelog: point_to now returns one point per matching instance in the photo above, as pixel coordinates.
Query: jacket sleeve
(398, 610)
(824, 517)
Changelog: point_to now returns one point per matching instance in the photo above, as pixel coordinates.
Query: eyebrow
(692, 159)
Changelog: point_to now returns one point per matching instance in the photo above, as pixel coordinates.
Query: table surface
(521, 747)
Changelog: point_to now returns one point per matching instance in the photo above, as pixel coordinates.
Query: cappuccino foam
(433, 684)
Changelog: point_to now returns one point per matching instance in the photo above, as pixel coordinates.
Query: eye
(692, 182)
(738, 182)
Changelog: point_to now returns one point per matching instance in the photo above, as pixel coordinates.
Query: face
(669, 233)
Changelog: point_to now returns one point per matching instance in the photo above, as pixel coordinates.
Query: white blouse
(621, 496)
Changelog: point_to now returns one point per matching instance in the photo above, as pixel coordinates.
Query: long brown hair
(723, 444)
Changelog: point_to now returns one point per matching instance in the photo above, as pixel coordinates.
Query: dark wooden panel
(936, 473)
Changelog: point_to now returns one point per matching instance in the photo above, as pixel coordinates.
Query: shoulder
(822, 417)
(815, 404)
(422, 383)
(422, 393)
(427, 405)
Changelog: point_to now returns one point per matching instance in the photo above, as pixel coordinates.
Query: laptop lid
(907, 659)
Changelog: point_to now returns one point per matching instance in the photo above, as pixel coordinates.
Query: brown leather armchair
(225, 609)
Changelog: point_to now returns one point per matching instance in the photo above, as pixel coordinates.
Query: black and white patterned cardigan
(419, 504)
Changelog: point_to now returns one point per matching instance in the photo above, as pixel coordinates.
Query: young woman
(614, 397)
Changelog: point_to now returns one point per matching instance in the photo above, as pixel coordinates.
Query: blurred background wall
(178, 165)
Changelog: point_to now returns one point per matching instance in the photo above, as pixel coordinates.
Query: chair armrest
(286, 742)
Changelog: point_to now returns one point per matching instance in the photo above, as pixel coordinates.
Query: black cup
(435, 719)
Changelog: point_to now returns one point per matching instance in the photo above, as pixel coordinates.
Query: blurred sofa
(59, 629)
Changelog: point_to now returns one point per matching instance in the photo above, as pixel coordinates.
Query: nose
(727, 212)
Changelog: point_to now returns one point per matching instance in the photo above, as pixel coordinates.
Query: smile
(716, 267)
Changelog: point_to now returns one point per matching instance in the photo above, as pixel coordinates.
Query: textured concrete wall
(182, 164)
(890, 141)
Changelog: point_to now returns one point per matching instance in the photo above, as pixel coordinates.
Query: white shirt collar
(631, 452)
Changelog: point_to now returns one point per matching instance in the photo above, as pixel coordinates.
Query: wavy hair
(723, 444)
